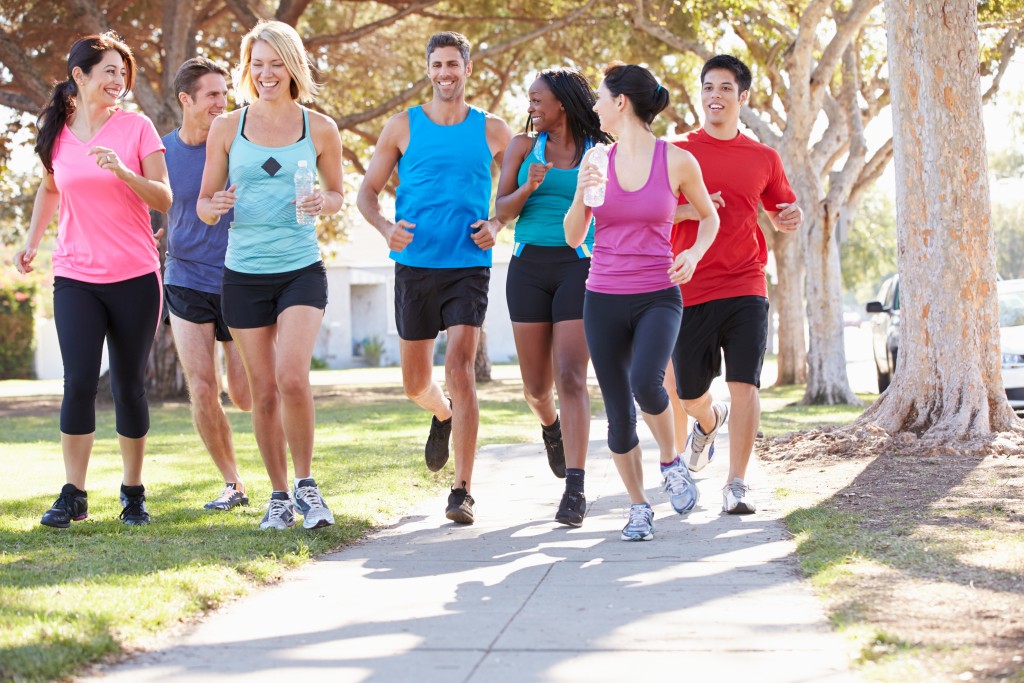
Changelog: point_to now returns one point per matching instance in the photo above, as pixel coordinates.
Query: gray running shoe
(682, 489)
(311, 505)
(640, 526)
(229, 498)
(702, 446)
(736, 498)
(280, 514)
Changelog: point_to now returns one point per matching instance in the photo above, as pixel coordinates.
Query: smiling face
(105, 82)
(268, 72)
(209, 101)
(609, 109)
(546, 112)
(448, 73)
(721, 99)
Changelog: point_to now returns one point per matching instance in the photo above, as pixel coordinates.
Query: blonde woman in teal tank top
(275, 286)
(547, 277)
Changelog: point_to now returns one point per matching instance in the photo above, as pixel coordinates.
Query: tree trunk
(789, 305)
(482, 363)
(949, 385)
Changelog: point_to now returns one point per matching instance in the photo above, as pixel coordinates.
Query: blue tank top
(265, 237)
(444, 187)
(540, 221)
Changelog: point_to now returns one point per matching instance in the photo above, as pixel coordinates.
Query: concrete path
(517, 597)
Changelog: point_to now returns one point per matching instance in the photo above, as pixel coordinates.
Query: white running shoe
(682, 489)
(640, 526)
(312, 506)
(736, 498)
(280, 515)
(701, 445)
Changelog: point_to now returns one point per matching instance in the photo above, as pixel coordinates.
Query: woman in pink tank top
(633, 308)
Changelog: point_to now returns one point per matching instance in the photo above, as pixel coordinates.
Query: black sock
(71, 488)
(279, 495)
(553, 430)
(574, 480)
(133, 491)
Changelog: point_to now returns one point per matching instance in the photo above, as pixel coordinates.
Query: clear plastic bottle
(303, 188)
(594, 195)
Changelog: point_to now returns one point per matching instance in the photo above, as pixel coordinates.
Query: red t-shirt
(747, 173)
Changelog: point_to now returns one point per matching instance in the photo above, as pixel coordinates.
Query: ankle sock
(669, 465)
(279, 495)
(305, 481)
(131, 491)
(574, 480)
(71, 488)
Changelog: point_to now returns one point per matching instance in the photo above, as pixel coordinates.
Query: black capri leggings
(125, 314)
(631, 337)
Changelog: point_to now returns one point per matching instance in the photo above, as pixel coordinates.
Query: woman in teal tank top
(547, 278)
(275, 286)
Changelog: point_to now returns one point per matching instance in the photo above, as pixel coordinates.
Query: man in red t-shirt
(726, 302)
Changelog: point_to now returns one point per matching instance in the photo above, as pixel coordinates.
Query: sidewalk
(517, 597)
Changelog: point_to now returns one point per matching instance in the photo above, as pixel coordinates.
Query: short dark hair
(449, 39)
(640, 86)
(740, 71)
(187, 79)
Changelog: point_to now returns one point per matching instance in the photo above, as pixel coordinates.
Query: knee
(622, 436)
(535, 393)
(460, 378)
(204, 392)
(572, 382)
(241, 398)
(292, 384)
(79, 389)
(652, 397)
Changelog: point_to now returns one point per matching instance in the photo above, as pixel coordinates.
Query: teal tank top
(444, 187)
(540, 221)
(265, 237)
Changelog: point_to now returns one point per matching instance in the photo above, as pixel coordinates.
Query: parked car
(885, 330)
(885, 335)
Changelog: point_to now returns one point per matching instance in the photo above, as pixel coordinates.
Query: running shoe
(280, 514)
(436, 450)
(736, 498)
(229, 498)
(572, 509)
(682, 489)
(133, 502)
(311, 505)
(71, 505)
(701, 445)
(460, 506)
(556, 453)
(640, 526)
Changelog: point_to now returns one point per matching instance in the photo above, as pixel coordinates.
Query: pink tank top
(633, 231)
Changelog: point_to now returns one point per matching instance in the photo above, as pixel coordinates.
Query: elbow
(163, 202)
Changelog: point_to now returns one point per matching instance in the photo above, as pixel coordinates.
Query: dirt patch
(928, 574)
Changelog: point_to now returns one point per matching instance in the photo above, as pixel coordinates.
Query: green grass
(781, 412)
(70, 597)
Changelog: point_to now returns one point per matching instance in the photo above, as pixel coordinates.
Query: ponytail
(51, 121)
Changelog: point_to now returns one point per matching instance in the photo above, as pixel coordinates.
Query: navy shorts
(428, 300)
(256, 300)
(196, 307)
(546, 284)
(738, 326)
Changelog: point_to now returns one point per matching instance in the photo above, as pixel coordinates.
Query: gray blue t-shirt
(195, 250)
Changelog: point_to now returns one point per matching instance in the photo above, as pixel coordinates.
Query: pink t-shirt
(103, 228)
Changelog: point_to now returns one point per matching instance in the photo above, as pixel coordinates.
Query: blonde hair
(286, 41)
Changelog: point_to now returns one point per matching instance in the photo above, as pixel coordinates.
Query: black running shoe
(572, 509)
(133, 498)
(436, 450)
(556, 453)
(71, 505)
(460, 507)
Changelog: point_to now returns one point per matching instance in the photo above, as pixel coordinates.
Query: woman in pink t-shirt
(104, 169)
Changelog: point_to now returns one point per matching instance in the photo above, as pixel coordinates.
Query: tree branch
(32, 86)
(289, 11)
(1007, 47)
(19, 102)
(246, 17)
(357, 33)
(847, 29)
(640, 21)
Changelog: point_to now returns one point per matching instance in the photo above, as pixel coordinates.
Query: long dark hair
(640, 86)
(576, 95)
(86, 53)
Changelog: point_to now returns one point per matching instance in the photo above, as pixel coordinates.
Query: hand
(400, 235)
(789, 217)
(686, 212)
(222, 201)
(683, 267)
(157, 236)
(483, 233)
(23, 260)
(589, 174)
(535, 175)
(311, 205)
(106, 159)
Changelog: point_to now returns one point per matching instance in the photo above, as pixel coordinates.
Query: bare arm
(512, 197)
(152, 185)
(577, 220)
(214, 201)
(329, 200)
(43, 209)
(691, 184)
(382, 165)
(485, 230)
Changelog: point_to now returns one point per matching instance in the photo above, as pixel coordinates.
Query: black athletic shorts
(196, 307)
(546, 284)
(428, 300)
(738, 326)
(255, 300)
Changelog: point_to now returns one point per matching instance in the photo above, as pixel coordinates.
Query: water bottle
(594, 195)
(303, 189)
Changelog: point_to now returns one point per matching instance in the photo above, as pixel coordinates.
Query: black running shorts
(196, 307)
(428, 300)
(546, 285)
(256, 300)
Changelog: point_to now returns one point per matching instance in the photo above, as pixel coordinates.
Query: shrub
(17, 328)
(373, 349)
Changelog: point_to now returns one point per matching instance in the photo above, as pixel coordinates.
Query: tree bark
(788, 303)
(948, 384)
(482, 362)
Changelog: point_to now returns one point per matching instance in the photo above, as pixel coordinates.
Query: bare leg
(661, 426)
(76, 448)
(744, 419)
(533, 345)
(679, 416)
(700, 410)
(238, 384)
(257, 348)
(571, 359)
(460, 376)
(631, 471)
(296, 336)
(132, 453)
(417, 377)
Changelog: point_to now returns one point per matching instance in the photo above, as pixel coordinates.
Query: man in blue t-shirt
(440, 241)
(192, 277)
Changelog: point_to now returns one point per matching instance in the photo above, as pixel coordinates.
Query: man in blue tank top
(193, 273)
(440, 241)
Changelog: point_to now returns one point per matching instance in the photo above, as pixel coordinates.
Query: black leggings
(631, 337)
(125, 314)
